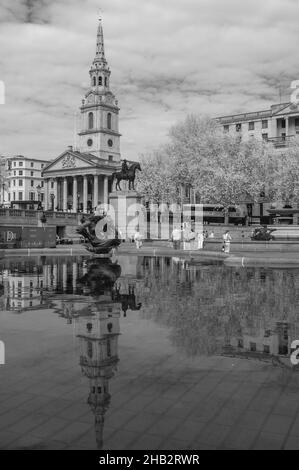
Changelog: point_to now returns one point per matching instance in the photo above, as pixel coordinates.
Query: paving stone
(269, 441)
(277, 424)
(51, 427)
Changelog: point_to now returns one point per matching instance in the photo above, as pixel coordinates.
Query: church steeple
(99, 71)
(100, 52)
(99, 133)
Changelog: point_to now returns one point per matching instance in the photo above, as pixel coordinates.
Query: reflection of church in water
(96, 319)
(98, 336)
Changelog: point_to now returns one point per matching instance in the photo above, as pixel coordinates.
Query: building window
(265, 137)
(42, 184)
(20, 172)
(100, 81)
(266, 349)
(110, 143)
(20, 196)
(251, 126)
(14, 182)
(14, 196)
(89, 142)
(110, 158)
(296, 122)
(32, 183)
(32, 164)
(14, 163)
(106, 81)
(90, 120)
(238, 127)
(52, 184)
(42, 197)
(94, 81)
(240, 343)
(32, 196)
(42, 165)
(31, 173)
(265, 124)
(109, 120)
(14, 173)
(9, 196)
(20, 182)
(226, 128)
(20, 163)
(89, 349)
(252, 346)
(283, 124)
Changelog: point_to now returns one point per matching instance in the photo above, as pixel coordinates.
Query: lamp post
(38, 189)
(52, 197)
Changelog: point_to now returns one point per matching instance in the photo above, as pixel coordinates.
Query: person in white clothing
(138, 239)
(226, 241)
(200, 240)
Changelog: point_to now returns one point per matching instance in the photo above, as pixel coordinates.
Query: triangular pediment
(68, 160)
(290, 108)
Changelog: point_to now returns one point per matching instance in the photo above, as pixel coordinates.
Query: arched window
(94, 81)
(109, 120)
(106, 81)
(90, 120)
(100, 81)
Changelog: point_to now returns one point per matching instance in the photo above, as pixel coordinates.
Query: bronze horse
(129, 176)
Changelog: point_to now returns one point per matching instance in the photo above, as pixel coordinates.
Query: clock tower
(99, 134)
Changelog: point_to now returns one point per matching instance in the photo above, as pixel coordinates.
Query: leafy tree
(221, 168)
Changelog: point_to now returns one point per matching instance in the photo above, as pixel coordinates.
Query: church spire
(99, 71)
(100, 51)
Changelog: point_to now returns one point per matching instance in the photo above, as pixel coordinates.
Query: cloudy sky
(168, 58)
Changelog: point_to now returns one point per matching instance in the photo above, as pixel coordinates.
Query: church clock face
(110, 143)
(89, 142)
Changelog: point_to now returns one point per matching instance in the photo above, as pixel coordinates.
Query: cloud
(167, 59)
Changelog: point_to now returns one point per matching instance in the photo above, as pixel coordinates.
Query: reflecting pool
(147, 353)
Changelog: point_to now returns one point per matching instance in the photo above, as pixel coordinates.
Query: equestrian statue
(127, 173)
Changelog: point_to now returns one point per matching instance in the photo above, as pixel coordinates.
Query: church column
(95, 190)
(85, 193)
(64, 194)
(287, 126)
(46, 194)
(105, 189)
(56, 202)
(75, 191)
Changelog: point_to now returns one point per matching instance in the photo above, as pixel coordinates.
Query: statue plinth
(126, 204)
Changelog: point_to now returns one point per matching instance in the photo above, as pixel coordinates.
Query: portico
(77, 181)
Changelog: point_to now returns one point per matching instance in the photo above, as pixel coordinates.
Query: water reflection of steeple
(98, 336)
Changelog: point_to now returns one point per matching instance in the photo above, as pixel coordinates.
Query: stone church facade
(81, 177)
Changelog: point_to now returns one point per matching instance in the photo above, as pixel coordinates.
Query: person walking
(138, 239)
(200, 240)
(176, 238)
(226, 241)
